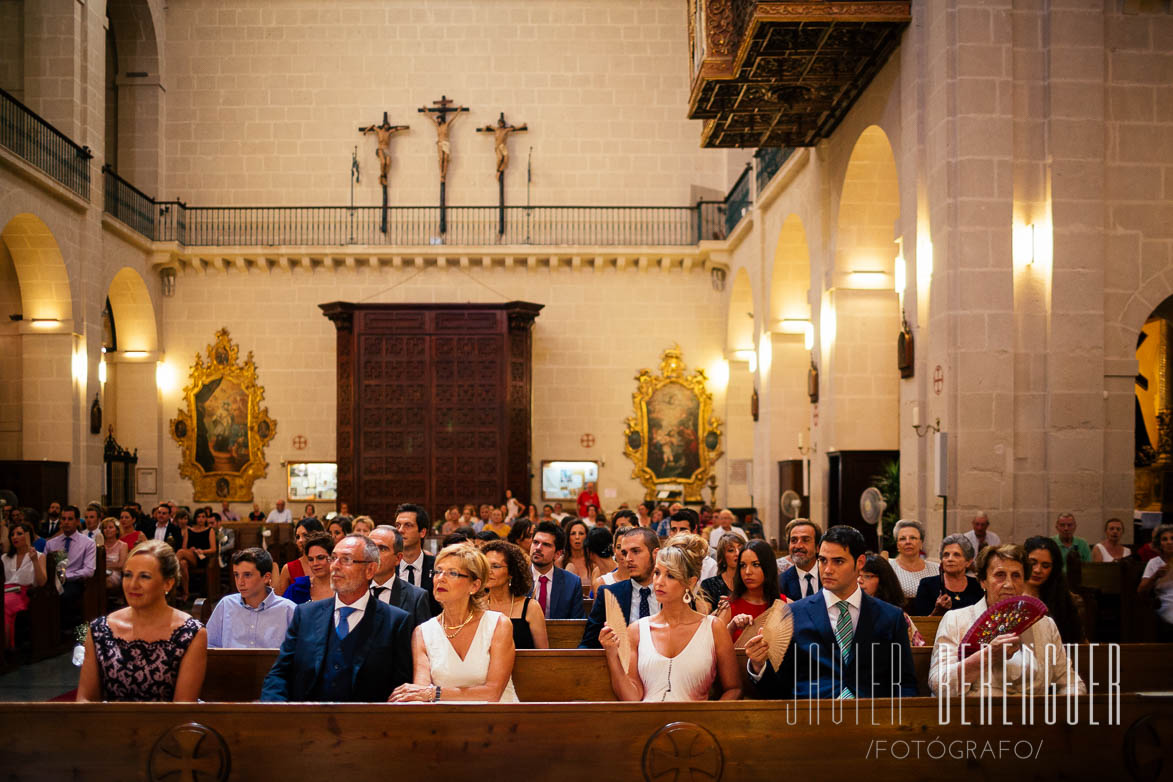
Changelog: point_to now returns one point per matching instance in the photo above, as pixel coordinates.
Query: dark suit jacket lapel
(319, 625)
(369, 627)
(557, 585)
(397, 593)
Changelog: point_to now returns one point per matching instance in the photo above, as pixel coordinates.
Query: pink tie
(543, 597)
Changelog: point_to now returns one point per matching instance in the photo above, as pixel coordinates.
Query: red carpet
(65, 697)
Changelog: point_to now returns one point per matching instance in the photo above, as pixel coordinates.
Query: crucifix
(383, 135)
(501, 133)
(438, 114)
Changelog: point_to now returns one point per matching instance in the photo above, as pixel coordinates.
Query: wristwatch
(436, 694)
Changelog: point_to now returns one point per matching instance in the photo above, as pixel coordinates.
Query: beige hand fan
(617, 623)
(776, 626)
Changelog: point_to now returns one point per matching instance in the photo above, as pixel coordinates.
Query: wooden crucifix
(501, 133)
(383, 135)
(438, 113)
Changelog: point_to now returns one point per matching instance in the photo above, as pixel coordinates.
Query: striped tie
(843, 636)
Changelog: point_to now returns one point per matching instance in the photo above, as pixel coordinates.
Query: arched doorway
(1153, 406)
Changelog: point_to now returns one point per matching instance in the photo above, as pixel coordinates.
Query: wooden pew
(565, 633)
(581, 674)
(874, 740)
(928, 627)
(42, 621)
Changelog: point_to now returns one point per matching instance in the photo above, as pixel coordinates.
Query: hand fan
(1013, 615)
(617, 623)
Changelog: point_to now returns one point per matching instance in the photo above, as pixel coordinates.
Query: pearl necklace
(455, 629)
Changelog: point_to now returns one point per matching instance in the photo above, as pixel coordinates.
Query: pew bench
(874, 740)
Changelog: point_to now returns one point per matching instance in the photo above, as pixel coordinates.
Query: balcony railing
(129, 204)
(738, 201)
(28, 136)
(768, 162)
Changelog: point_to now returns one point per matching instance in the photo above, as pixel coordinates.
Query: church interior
(444, 248)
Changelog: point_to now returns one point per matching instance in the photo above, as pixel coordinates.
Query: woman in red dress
(755, 587)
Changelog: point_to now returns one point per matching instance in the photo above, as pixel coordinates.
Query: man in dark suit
(638, 546)
(349, 648)
(801, 580)
(161, 527)
(416, 567)
(558, 591)
(52, 523)
(845, 644)
(387, 587)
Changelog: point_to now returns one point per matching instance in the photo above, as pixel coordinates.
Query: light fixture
(134, 354)
(164, 377)
(868, 279)
(717, 275)
(167, 277)
(79, 362)
(922, 430)
(899, 269)
(45, 323)
(1024, 244)
(102, 371)
(796, 326)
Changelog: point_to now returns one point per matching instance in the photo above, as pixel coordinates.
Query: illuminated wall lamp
(135, 354)
(796, 326)
(868, 280)
(1024, 245)
(102, 371)
(45, 323)
(747, 355)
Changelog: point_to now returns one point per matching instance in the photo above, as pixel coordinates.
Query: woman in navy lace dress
(147, 651)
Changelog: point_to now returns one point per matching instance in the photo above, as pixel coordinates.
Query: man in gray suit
(386, 587)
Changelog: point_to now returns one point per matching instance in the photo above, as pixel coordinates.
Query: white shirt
(708, 568)
(161, 532)
(1163, 588)
(853, 604)
(718, 531)
(815, 583)
(279, 516)
(418, 564)
(991, 540)
(355, 617)
(538, 585)
(653, 603)
(385, 597)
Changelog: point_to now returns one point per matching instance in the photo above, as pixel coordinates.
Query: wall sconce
(717, 275)
(803, 448)
(45, 323)
(921, 431)
(167, 276)
(868, 280)
(749, 355)
(803, 327)
(165, 377)
(900, 270)
(102, 371)
(1024, 245)
(134, 354)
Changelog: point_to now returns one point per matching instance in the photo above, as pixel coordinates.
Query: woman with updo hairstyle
(466, 653)
(755, 587)
(510, 583)
(677, 654)
(147, 651)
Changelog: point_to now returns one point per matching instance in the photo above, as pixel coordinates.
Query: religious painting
(223, 431)
(673, 439)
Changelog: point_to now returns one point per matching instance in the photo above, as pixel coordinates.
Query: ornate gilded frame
(218, 467)
(705, 433)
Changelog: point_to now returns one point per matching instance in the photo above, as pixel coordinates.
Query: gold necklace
(455, 629)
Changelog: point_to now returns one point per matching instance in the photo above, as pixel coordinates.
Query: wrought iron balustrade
(27, 135)
(769, 160)
(738, 201)
(129, 204)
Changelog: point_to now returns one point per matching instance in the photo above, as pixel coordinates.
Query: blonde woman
(466, 653)
(363, 525)
(677, 654)
(116, 552)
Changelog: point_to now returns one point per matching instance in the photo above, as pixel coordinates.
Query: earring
(688, 597)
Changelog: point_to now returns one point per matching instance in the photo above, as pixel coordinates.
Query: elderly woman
(909, 566)
(1046, 581)
(728, 551)
(1158, 577)
(363, 525)
(23, 568)
(297, 568)
(116, 552)
(509, 585)
(1109, 549)
(466, 653)
(319, 551)
(677, 654)
(755, 587)
(951, 588)
(877, 580)
(147, 651)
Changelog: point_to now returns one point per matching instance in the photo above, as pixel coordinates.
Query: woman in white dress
(909, 566)
(466, 653)
(677, 654)
(1109, 549)
(23, 568)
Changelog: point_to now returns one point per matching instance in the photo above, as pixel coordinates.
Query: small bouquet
(79, 648)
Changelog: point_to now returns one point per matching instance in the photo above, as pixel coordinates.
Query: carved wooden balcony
(784, 74)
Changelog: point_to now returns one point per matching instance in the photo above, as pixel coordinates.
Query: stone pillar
(47, 391)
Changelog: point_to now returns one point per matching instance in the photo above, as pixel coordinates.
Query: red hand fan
(1013, 615)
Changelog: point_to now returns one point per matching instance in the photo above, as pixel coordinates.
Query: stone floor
(40, 681)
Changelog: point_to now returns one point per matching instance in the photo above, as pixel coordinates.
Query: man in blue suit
(802, 579)
(349, 648)
(638, 547)
(558, 592)
(845, 644)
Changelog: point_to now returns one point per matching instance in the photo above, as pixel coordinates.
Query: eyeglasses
(347, 561)
(449, 574)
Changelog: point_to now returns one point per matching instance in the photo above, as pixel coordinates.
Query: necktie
(411, 574)
(645, 608)
(68, 540)
(810, 589)
(543, 595)
(343, 624)
(378, 592)
(843, 636)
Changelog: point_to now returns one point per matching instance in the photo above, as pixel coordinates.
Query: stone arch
(869, 206)
(137, 93)
(791, 275)
(40, 269)
(133, 311)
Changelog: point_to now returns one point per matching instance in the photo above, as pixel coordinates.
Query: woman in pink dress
(23, 568)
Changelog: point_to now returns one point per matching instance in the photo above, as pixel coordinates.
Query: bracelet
(436, 692)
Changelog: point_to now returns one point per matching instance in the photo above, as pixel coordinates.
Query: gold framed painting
(673, 438)
(224, 430)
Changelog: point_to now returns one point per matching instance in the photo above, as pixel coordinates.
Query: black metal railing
(171, 221)
(710, 220)
(129, 204)
(768, 162)
(29, 136)
(738, 201)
